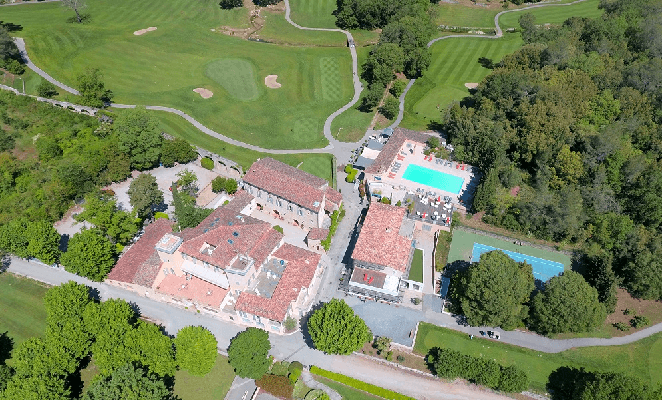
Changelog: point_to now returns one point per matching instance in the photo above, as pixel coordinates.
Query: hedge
(207, 163)
(336, 217)
(357, 384)
(159, 215)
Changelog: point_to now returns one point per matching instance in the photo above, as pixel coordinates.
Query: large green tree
(144, 194)
(90, 254)
(177, 150)
(196, 350)
(36, 387)
(335, 329)
(102, 211)
(43, 241)
(186, 212)
(137, 135)
(92, 90)
(129, 382)
(249, 353)
(567, 304)
(495, 291)
(109, 323)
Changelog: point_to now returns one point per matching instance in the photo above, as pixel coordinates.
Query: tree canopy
(102, 211)
(144, 194)
(129, 382)
(566, 383)
(196, 350)
(249, 353)
(138, 137)
(177, 150)
(92, 90)
(90, 254)
(567, 304)
(495, 290)
(335, 329)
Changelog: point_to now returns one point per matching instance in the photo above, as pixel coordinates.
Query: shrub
(398, 87)
(221, 184)
(629, 311)
(177, 150)
(385, 200)
(295, 365)
(400, 358)
(279, 228)
(207, 163)
(355, 383)
(46, 89)
(391, 108)
(279, 386)
(639, 321)
(160, 215)
(622, 326)
(294, 376)
(280, 368)
(381, 344)
(264, 3)
(389, 356)
(230, 4)
(14, 66)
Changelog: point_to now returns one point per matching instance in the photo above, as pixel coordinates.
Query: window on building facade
(289, 207)
(280, 203)
(300, 212)
(270, 199)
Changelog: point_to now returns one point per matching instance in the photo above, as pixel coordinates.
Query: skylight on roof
(316, 204)
(235, 234)
(230, 241)
(230, 223)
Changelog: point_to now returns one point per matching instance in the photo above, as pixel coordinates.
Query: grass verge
(416, 271)
(357, 384)
(22, 310)
(441, 252)
(213, 386)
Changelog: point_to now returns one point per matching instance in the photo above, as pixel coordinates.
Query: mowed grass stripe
(477, 69)
(448, 58)
(469, 63)
(460, 64)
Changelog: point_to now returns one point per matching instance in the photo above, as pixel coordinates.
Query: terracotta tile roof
(334, 196)
(392, 147)
(379, 241)
(287, 182)
(240, 200)
(318, 234)
(222, 216)
(298, 273)
(226, 242)
(194, 289)
(138, 264)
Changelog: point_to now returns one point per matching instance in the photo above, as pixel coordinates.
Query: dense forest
(568, 133)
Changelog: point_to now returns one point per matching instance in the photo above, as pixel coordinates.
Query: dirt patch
(470, 85)
(204, 93)
(649, 308)
(270, 81)
(143, 31)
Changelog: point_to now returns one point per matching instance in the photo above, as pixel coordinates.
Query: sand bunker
(270, 81)
(205, 93)
(143, 31)
(470, 85)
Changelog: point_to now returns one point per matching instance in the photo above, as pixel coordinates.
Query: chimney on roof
(388, 229)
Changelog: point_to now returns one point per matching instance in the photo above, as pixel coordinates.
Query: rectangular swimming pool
(436, 179)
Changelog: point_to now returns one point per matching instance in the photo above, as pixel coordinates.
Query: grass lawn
(347, 392)
(463, 242)
(213, 386)
(351, 125)
(22, 311)
(641, 358)
(553, 14)
(314, 13)
(462, 15)
(443, 247)
(416, 271)
(177, 126)
(278, 30)
(164, 66)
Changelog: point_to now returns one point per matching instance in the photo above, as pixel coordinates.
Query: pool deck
(412, 153)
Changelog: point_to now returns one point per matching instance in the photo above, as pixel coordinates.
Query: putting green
(237, 77)
(331, 80)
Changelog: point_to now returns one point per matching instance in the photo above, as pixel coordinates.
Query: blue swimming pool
(430, 177)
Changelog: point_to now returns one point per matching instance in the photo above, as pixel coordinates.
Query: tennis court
(542, 269)
(546, 263)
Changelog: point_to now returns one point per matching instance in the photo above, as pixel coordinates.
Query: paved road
(290, 347)
(499, 33)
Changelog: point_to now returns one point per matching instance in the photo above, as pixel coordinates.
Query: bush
(398, 87)
(391, 108)
(336, 217)
(294, 376)
(46, 89)
(279, 228)
(639, 321)
(400, 358)
(279, 386)
(264, 3)
(280, 368)
(629, 311)
(161, 215)
(221, 184)
(177, 150)
(351, 174)
(294, 366)
(14, 66)
(357, 384)
(207, 163)
(230, 4)
(389, 356)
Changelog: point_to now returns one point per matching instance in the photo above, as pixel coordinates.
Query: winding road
(342, 149)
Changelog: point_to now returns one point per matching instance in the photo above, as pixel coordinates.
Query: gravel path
(499, 33)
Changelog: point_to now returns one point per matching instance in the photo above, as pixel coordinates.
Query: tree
(196, 350)
(264, 3)
(391, 108)
(372, 97)
(578, 384)
(13, 237)
(640, 263)
(47, 89)
(496, 290)
(92, 89)
(567, 304)
(75, 5)
(129, 382)
(144, 195)
(188, 181)
(186, 212)
(138, 137)
(249, 353)
(8, 49)
(37, 387)
(230, 4)
(177, 150)
(89, 254)
(151, 348)
(382, 62)
(102, 212)
(335, 329)
(43, 241)
(221, 184)
(6, 373)
(109, 322)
